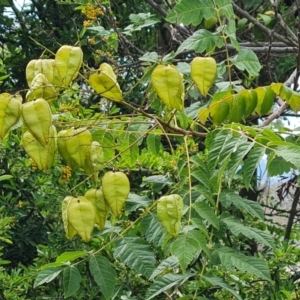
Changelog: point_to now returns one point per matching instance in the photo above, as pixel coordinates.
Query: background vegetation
(205, 153)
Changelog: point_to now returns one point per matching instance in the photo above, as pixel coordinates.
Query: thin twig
(262, 27)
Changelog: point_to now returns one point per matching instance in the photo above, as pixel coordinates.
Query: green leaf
(70, 256)
(135, 202)
(71, 281)
(278, 166)
(225, 8)
(294, 101)
(153, 229)
(129, 149)
(252, 265)
(220, 144)
(46, 276)
(237, 108)
(64, 258)
(253, 208)
(220, 282)
(230, 31)
(246, 60)
(150, 57)
(206, 213)
(136, 254)
(290, 153)
(219, 111)
(252, 233)
(265, 99)
(104, 275)
(236, 160)
(153, 143)
(202, 176)
(167, 264)
(166, 282)
(5, 177)
(186, 246)
(202, 41)
(191, 12)
(251, 163)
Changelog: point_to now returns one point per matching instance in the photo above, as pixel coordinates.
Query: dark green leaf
(153, 229)
(104, 275)
(252, 265)
(250, 164)
(136, 254)
(166, 282)
(186, 246)
(253, 208)
(153, 143)
(252, 233)
(167, 264)
(47, 275)
(135, 202)
(206, 213)
(220, 282)
(71, 281)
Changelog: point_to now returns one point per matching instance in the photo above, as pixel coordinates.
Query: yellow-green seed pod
(37, 117)
(170, 212)
(69, 229)
(43, 156)
(96, 197)
(116, 188)
(104, 82)
(168, 83)
(68, 61)
(81, 215)
(10, 112)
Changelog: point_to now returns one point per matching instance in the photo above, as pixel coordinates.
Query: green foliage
(184, 138)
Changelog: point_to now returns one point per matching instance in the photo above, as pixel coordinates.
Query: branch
(18, 15)
(166, 125)
(281, 22)
(283, 105)
(262, 27)
(157, 7)
(265, 49)
(292, 215)
(275, 115)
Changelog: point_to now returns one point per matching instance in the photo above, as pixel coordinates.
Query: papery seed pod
(203, 72)
(43, 155)
(74, 145)
(94, 160)
(69, 229)
(116, 188)
(68, 61)
(104, 82)
(168, 83)
(10, 112)
(40, 66)
(37, 117)
(41, 88)
(170, 212)
(96, 197)
(81, 215)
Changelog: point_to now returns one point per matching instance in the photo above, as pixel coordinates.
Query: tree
(165, 96)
